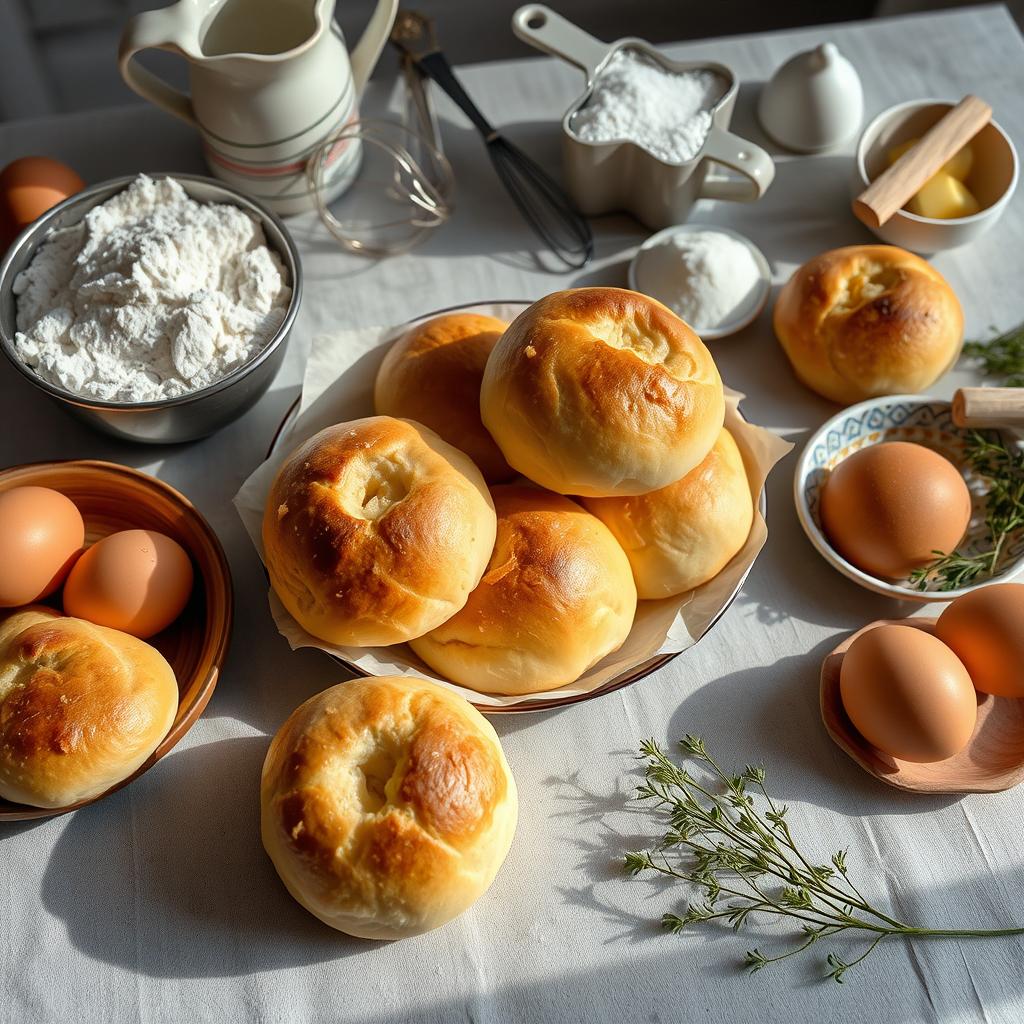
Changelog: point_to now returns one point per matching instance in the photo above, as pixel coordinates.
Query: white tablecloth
(159, 904)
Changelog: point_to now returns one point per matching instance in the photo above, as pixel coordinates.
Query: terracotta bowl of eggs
(934, 705)
(886, 487)
(115, 617)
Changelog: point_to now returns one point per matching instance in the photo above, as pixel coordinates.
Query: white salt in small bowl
(741, 317)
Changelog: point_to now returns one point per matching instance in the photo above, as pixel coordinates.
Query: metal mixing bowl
(169, 420)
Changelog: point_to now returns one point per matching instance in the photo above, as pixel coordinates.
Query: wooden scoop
(993, 759)
(988, 407)
(893, 188)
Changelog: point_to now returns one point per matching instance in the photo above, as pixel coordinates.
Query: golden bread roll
(387, 806)
(432, 374)
(375, 531)
(868, 320)
(683, 535)
(601, 391)
(558, 595)
(81, 707)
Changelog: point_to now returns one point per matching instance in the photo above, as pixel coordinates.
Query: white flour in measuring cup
(668, 113)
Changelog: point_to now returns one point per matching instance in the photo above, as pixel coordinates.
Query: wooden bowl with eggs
(992, 760)
(112, 498)
(919, 420)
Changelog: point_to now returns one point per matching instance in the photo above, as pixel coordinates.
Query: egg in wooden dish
(908, 694)
(889, 507)
(41, 536)
(137, 581)
(985, 629)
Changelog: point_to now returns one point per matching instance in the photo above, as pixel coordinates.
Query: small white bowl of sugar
(714, 278)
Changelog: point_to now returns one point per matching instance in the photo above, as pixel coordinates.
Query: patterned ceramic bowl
(915, 418)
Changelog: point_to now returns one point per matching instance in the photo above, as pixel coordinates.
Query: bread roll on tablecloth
(81, 707)
(681, 536)
(557, 596)
(432, 374)
(601, 391)
(868, 320)
(387, 806)
(376, 531)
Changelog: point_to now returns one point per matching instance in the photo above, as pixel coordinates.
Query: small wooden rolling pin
(893, 188)
(988, 407)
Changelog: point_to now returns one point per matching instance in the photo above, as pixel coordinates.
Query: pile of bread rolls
(519, 489)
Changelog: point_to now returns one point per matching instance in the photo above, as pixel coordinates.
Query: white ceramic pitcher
(270, 79)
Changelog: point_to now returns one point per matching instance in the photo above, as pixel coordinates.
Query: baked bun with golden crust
(601, 391)
(81, 707)
(375, 531)
(682, 535)
(868, 320)
(432, 374)
(387, 806)
(558, 595)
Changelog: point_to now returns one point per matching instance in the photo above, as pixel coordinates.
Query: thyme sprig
(1002, 357)
(1003, 469)
(746, 862)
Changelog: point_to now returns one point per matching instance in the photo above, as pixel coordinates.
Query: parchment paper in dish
(338, 386)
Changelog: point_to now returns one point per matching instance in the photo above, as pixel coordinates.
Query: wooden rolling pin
(988, 407)
(893, 188)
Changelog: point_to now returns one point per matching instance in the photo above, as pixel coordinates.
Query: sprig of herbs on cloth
(1003, 469)
(727, 838)
(1002, 357)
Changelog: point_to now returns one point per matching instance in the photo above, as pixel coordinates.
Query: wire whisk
(540, 199)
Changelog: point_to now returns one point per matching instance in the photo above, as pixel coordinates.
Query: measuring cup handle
(543, 28)
(146, 31)
(751, 161)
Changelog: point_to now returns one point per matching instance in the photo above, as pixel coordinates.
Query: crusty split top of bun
(432, 374)
(387, 806)
(602, 391)
(681, 536)
(868, 320)
(375, 531)
(81, 707)
(558, 595)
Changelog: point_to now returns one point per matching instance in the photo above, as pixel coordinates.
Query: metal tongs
(541, 200)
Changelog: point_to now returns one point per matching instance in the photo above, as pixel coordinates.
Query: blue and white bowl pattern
(921, 420)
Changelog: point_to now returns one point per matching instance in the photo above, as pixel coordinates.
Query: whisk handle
(436, 66)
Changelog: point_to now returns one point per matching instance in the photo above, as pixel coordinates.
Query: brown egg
(985, 629)
(137, 581)
(888, 507)
(41, 536)
(908, 694)
(28, 188)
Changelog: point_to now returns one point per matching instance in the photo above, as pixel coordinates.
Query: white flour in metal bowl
(666, 112)
(152, 295)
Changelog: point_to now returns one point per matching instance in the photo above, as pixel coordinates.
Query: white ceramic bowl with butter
(992, 180)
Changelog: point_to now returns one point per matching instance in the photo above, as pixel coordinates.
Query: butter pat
(942, 198)
(958, 166)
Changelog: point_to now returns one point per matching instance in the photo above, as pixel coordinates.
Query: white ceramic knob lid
(825, 55)
(813, 102)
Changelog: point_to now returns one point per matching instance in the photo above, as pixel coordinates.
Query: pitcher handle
(366, 52)
(153, 30)
(542, 28)
(751, 161)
